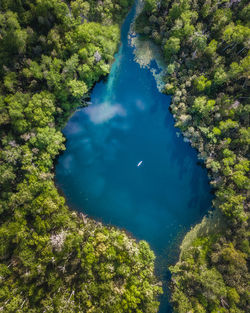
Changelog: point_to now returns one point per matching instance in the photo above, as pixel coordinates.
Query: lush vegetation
(53, 259)
(206, 48)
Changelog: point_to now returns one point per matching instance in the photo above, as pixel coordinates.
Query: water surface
(129, 121)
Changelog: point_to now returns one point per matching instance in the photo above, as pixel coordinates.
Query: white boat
(140, 163)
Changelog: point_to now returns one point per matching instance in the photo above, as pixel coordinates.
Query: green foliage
(77, 88)
(202, 106)
(199, 41)
(211, 48)
(201, 83)
(220, 76)
(172, 46)
(150, 5)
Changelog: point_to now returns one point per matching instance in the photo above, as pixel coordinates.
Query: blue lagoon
(128, 122)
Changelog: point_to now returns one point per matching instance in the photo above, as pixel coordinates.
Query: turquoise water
(129, 121)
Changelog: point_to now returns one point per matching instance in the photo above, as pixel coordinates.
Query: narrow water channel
(128, 122)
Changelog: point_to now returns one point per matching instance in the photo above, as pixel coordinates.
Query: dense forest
(54, 259)
(206, 48)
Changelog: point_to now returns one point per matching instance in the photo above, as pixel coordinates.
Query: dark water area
(128, 122)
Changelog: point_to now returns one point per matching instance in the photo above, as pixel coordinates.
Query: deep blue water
(129, 121)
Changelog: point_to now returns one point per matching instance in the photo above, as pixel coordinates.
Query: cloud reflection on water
(101, 113)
